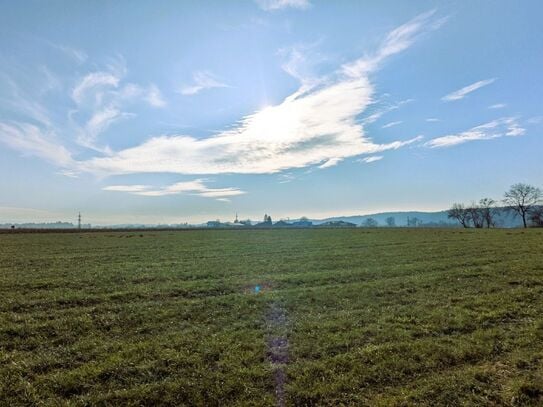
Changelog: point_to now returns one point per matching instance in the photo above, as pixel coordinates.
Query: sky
(172, 112)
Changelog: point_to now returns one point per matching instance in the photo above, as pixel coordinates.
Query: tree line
(521, 200)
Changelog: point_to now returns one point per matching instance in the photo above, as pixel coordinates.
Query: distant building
(337, 224)
(303, 223)
(214, 224)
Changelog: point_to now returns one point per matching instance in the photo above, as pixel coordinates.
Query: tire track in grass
(277, 348)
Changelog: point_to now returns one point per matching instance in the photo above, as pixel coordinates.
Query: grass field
(343, 317)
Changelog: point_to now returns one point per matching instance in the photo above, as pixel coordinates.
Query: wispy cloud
(92, 81)
(535, 120)
(271, 5)
(497, 106)
(101, 97)
(372, 158)
(396, 41)
(154, 97)
(331, 162)
(195, 187)
(392, 124)
(202, 80)
(32, 141)
(432, 120)
(76, 54)
(377, 114)
(314, 126)
(286, 177)
(507, 126)
(300, 61)
(462, 93)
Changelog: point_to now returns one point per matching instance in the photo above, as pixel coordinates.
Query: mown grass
(374, 317)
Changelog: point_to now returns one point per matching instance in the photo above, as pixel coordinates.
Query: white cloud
(33, 141)
(462, 93)
(497, 106)
(286, 177)
(330, 163)
(270, 5)
(395, 42)
(100, 98)
(372, 158)
(386, 109)
(202, 80)
(432, 120)
(507, 126)
(91, 81)
(303, 130)
(316, 125)
(392, 124)
(195, 187)
(154, 97)
(300, 61)
(101, 120)
(77, 55)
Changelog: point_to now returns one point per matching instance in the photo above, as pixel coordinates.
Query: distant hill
(429, 218)
(48, 225)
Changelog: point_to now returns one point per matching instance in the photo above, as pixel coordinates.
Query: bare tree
(413, 222)
(391, 221)
(459, 212)
(370, 223)
(521, 200)
(475, 215)
(536, 216)
(487, 208)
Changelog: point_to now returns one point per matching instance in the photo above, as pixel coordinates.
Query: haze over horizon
(185, 112)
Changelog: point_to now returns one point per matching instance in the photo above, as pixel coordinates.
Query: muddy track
(277, 348)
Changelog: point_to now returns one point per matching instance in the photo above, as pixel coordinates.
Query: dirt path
(277, 343)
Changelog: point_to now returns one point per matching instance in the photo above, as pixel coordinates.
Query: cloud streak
(462, 93)
(32, 141)
(202, 80)
(372, 158)
(272, 5)
(195, 187)
(503, 127)
(497, 106)
(392, 124)
(100, 98)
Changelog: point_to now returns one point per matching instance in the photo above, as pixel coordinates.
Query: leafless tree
(391, 221)
(414, 222)
(536, 216)
(521, 199)
(370, 223)
(475, 215)
(459, 212)
(487, 209)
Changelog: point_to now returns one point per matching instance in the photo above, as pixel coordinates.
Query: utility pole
(79, 221)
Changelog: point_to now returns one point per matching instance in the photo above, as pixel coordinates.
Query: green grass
(374, 317)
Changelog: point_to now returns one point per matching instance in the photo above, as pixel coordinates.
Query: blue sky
(166, 111)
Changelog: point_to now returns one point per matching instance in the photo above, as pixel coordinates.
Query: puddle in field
(257, 288)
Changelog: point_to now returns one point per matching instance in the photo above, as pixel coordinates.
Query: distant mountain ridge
(438, 218)
(503, 219)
